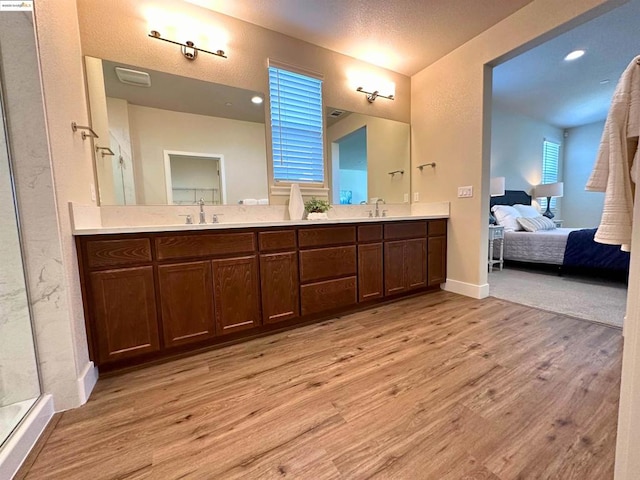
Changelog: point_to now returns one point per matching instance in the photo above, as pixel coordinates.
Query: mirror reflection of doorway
(194, 176)
(349, 156)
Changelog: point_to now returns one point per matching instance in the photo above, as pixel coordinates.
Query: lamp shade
(549, 190)
(497, 186)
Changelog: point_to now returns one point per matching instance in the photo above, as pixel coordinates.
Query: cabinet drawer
(437, 227)
(369, 233)
(327, 263)
(109, 253)
(274, 241)
(185, 246)
(329, 295)
(412, 229)
(325, 237)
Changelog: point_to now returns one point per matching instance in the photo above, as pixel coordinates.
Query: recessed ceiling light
(257, 99)
(574, 55)
(605, 81)
(228, 104)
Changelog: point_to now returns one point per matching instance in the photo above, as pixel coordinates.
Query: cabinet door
(280, 289)
(370, 272)
(437, 260)
(394, 270)
(186, 299)
(415, 260)
(236, 294)
(124, 308)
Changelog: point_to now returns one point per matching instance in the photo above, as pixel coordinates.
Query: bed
(567, 248)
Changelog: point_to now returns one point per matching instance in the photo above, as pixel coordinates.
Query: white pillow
(536, 223)
(527, 211)
(507, 216)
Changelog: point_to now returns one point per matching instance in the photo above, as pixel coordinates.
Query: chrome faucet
(377, 206)
(203, 220)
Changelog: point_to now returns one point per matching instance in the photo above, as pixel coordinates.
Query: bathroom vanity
(160, 293)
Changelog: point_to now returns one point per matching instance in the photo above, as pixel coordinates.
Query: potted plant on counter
(316, 209)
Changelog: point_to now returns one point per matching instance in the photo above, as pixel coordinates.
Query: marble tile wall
(39, 218)
(18, 368)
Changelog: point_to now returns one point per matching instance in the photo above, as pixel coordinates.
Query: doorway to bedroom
(548, 115)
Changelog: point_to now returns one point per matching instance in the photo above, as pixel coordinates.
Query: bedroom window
(550, 160)
(296, 127)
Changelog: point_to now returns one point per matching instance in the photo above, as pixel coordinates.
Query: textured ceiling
(541, 85)
(402, 35)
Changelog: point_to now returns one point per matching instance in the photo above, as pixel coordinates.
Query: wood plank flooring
(432, 387)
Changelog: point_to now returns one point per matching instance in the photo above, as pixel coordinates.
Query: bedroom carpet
(592, 299)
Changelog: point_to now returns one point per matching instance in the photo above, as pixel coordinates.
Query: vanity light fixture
(371, 96)
(189, 50)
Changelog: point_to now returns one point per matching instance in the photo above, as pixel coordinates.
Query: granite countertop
(260, 224)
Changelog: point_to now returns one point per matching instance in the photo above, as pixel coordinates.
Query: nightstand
(496, 233)
(558, 223)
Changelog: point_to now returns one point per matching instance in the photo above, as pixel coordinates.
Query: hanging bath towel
(611, 173)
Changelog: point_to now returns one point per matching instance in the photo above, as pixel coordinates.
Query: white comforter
(543, 246)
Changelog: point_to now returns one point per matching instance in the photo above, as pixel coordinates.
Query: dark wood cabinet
(370, 280)
(236, 294)
(437, 260)
(280, 289)
(394, 268)
(405, 265)
(186, 300)
(124, 309)
(415, 263)
(328, 295)
(151, 295)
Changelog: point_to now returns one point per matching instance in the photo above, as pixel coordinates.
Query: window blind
(296, 127)
(550, 160)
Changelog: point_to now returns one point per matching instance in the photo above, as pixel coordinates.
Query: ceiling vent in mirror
(133, 77)
(336, 113)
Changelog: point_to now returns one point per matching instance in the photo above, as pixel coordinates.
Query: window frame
(549, 177)
(282, 187)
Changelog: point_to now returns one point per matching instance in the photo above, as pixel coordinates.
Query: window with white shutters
(296, 127)
(550, 160)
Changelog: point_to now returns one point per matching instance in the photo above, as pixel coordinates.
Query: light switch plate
(416, 196)
(465, 192)
(93, 192)
(406, 198)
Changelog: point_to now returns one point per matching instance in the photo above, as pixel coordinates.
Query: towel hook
(432, 164)
(75, 127)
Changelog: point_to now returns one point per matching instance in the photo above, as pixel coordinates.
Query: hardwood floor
(433, 387)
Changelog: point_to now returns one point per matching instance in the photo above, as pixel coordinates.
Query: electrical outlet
(406, 198)
(93, 192)
(465, 192)
(416, 196)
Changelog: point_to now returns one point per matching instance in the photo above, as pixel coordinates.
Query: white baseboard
(467, 289)
(15, 451)
(86, 382)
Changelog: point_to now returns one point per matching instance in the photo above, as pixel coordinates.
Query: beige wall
(450, 119)
(387, 150)
(117, 30)
(242, 145)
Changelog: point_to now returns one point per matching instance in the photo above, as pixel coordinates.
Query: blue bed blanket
(582, 251)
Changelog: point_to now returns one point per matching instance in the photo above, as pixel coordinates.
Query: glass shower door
(19, 382)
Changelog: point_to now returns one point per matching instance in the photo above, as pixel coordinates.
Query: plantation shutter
(296, 127)
(550, 160)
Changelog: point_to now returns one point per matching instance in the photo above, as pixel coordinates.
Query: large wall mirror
(369, 158)
(165, 139)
